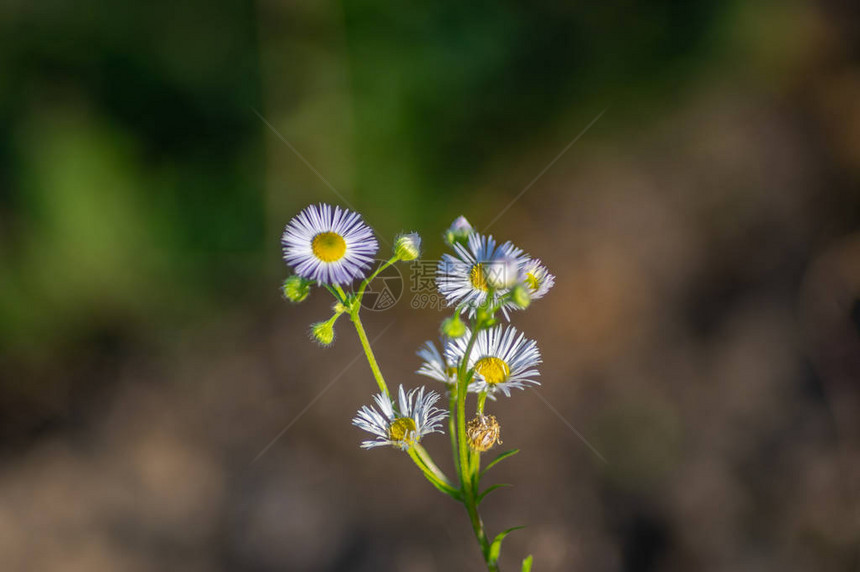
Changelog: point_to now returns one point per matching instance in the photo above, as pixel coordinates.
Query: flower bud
(483, 317)
(453, 327)
(503, 272)
(407, 246)
(521, 296)
(483, 433)
(339, 308)
(296, 289)
(323, 332)
(459, 231)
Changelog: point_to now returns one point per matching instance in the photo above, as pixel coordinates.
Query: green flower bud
(407, 246)
(323, 332)
(521, 296)
(339, 308)
(459, 231)
(296, 289)
(453, 327)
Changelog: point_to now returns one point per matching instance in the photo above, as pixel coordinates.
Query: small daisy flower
(502, 358)
(462, 279)
(329, 245)
(414, 418)
(537, 278)
(436, 365)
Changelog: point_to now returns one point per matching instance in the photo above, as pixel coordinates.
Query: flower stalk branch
(332, 248)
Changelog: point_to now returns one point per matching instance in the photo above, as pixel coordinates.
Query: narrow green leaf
(491, 489)
(501, 457)
(496, 546)
(527, 563)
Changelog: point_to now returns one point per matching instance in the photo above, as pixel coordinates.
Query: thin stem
(371, 359)
(452, 428)
(370, 278)
(465, 475)
(482, 399)
(432, 472)
(343, 296)
(338, 294)
(431, 466)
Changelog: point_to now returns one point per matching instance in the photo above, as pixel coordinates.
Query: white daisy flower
(502, 359)
(436, 365)
(329, 245)
(414, 418)
(537, 278)
(462, 279)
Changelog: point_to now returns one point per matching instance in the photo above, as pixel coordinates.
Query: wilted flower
(483, 433)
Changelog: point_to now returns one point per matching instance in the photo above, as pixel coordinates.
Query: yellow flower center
(451, 371)
(492, 369)
(532, 281)
(328, 246)
(477, 277)
(402, 429)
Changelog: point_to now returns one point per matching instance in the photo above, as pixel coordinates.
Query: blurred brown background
(703, 334)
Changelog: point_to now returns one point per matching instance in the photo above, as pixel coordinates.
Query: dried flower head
(483, 433)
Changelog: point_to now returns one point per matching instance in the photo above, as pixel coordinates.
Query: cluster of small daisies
(332, 248)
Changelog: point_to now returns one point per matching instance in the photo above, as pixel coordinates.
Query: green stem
(466, 481)
(338, 294)
(371, 359)
(370, 278)
(422, 460)
(452, 428)
(431, 466)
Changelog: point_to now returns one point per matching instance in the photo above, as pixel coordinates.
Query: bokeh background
(702, 334)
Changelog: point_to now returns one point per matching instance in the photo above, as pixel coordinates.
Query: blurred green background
(702, 334)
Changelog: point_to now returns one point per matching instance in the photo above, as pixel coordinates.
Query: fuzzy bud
(323, 332)
(407, 246)
(339, 308)
(296, 289)
(453, 327)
